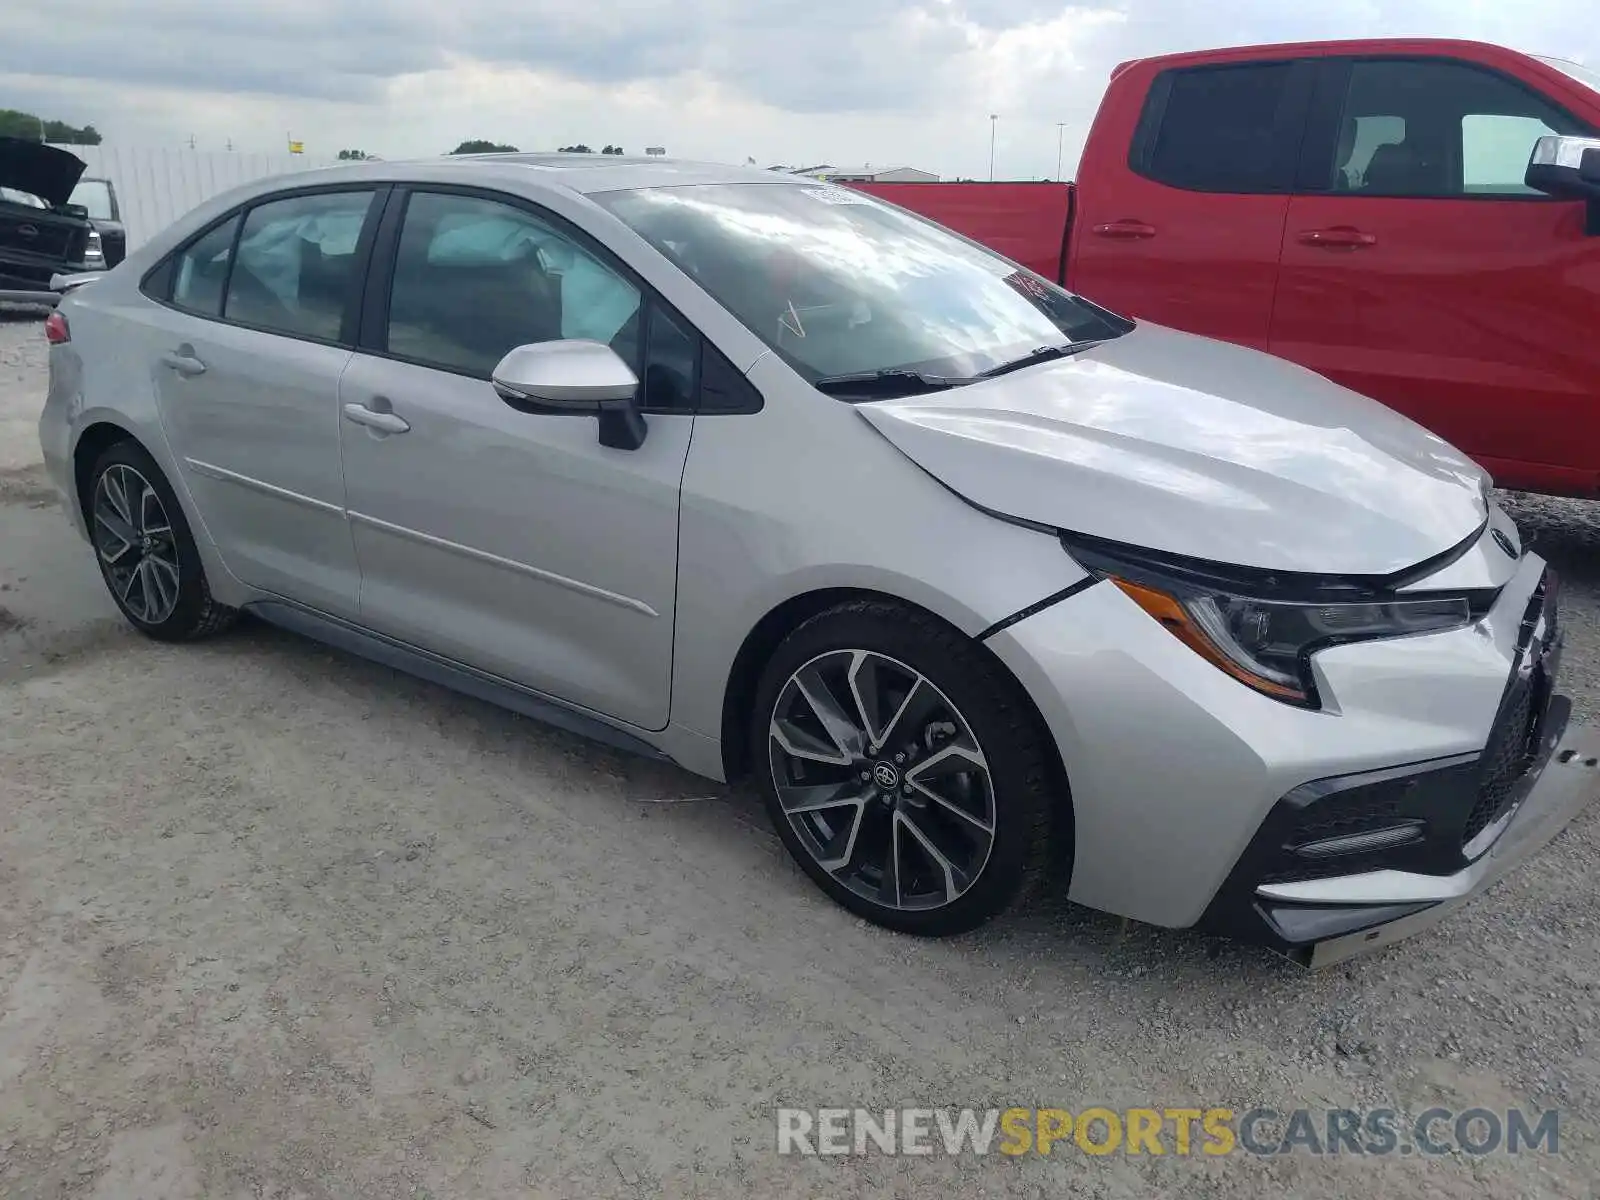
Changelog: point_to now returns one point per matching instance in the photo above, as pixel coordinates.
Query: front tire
(904, 769)
(146, 551)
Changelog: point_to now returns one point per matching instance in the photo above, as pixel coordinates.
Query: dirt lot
(279, 923)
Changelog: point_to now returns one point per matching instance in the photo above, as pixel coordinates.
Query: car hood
(44, 171)
(1178, 443)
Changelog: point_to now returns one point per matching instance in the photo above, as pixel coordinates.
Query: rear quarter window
(198, 273)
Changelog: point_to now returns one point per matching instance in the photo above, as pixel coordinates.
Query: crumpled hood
(1178, 443)
(43, 171)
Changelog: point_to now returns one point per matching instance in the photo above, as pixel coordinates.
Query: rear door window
(1224, 129)
(296, 264)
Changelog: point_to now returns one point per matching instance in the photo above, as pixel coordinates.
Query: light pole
(994, 120)
(1061, 128)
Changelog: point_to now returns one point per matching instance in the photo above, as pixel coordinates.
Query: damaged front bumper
(1350, 864)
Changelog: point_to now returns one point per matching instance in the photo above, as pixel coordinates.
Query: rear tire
(146, 551)
(904, 769)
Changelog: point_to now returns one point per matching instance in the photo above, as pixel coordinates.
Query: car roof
(583, 173)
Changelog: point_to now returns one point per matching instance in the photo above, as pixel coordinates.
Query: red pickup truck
(1418, 220)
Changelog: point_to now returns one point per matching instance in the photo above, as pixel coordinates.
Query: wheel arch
(783, 619)
(99, 435)
(95, 440)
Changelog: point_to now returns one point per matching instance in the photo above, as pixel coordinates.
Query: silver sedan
(978, 580)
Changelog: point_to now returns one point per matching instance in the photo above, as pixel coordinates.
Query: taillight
(55, 329)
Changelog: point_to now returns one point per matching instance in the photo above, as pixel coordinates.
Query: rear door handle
(1126, 230)
(384, 422)
(1341, 237)
(183, 361)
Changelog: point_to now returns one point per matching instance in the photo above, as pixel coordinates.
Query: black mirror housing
(1589, 168)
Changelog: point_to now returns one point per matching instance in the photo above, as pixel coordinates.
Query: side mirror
(575, 378)
(1565, 167)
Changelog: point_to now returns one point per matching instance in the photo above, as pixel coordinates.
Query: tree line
(482, 146)
(27, 126)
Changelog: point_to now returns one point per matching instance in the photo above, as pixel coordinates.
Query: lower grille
(1373, 808)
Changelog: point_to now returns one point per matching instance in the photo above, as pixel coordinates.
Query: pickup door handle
(183, 361)
(1341, 237)
(1127, 230)
(384, 422)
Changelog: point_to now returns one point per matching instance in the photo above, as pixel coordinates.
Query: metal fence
(157, 186)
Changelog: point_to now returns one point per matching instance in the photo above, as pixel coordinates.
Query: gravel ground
(279, 923)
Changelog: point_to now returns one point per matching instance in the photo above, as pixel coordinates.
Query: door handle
(384, 422)
(183, 361)
(1340, 237)
(1126, 230)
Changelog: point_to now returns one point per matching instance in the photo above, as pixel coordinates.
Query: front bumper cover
(1345, 865)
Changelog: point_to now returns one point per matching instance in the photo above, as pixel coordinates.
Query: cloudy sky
(783, 81)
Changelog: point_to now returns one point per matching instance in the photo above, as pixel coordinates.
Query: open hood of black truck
(41, 170)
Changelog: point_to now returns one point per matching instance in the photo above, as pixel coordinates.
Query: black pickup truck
(42, 234)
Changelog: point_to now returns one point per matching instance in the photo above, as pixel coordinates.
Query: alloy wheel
(135, 541)
(882, 780)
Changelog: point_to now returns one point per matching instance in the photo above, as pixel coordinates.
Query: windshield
(94, 195)
(840, 284)
(1578, 71)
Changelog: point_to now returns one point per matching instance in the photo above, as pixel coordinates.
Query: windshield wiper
(882, 385)
(1042, 354)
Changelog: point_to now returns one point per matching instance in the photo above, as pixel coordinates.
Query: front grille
(1505, 759)
(1513, 744)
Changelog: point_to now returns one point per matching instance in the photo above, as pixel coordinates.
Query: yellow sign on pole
(296, 147)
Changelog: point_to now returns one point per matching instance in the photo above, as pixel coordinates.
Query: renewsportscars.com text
(1180, 1132)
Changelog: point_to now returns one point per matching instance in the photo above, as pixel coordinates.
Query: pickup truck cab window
(1421, 129)
(1223, 129)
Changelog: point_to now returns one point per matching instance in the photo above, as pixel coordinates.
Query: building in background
(155, 186)
(870, 174)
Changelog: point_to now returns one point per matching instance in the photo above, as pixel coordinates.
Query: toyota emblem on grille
(28, 230)
(1504, 542)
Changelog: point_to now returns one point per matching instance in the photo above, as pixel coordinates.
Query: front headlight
(94, 251)
(1263, 628)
